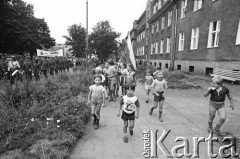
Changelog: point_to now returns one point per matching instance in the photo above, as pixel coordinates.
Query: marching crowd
(16, 69)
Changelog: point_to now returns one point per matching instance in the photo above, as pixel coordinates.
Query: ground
(185, 114)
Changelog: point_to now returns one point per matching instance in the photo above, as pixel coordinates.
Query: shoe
(217, 130)
(160, 119)
(131, 131)
(125, 139)
(110, 100)
(96, 126)
(151, 111)
(210, 129)
(146, 101)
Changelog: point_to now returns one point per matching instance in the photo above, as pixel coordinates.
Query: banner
(49, 53)
(130, 51)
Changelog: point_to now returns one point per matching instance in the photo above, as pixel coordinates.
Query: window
(160, 65)
(181, 42)
(213, 37)
(156, 49)
(197, 5)
(166, 65)
(208, 71)
(161, 46)
(159, 4)
(178, 67)
(169, 18)
(168, 45)
(143, 51)
(191, 68)
(183, 9)
(238, 35)
(163, 22)
(153, 28)
(194, 38)
(157, 26)
(152, 48)
(155, 64)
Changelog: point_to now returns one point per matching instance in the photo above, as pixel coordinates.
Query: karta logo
(152, 143)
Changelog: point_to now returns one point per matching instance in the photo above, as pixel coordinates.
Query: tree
(20, 31)
(76, 39)
(102, 40)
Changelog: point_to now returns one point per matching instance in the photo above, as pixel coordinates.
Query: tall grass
(45, 117)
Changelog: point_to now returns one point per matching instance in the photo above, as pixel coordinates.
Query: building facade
(190, 35)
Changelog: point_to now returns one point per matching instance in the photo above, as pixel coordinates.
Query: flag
(130, 52)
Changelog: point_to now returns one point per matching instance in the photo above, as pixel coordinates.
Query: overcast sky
(59, 14)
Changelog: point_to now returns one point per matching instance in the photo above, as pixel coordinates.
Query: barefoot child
(148, 82)
(97, 98)
(129, 105)
(159, 88)
(218, 93)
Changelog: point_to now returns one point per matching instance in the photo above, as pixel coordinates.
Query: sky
(60, 14)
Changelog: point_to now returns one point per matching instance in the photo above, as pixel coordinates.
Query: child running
(148, 82)
(129, 106)
(159, 88)
(97, 98)
(217, 102)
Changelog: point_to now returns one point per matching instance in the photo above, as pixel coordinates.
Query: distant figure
(148, 82)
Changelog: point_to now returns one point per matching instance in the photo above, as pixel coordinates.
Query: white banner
(50, 53)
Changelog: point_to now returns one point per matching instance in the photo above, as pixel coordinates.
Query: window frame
(168, 46)
(216, 32)
(181, 41)
(194, 36)
(183, 7)
(196, 5)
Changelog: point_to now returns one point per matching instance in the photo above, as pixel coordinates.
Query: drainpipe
(174, 46)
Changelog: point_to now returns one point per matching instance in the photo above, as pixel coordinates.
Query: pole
(86, 27)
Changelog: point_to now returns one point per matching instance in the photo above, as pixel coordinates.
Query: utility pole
(87, 50)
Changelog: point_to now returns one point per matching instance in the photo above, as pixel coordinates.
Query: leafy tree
(76, 39)
(20, 31)
(102, 40)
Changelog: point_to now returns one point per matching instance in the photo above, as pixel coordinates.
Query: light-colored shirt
(130, 76)
(129, 104)
(13, 65)
(149, 80)
(159, 86)
(97, 91)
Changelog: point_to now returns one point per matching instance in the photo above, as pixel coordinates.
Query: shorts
(216, 105)
(97, 102)
(147, 87)
(126, 116)
(159, 98)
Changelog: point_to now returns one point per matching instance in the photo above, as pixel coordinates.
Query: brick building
(190, 35)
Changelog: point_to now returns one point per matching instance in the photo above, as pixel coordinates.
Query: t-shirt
(129, 104)
(159, 86)
(97, 91)
(130, 77)
(219, 96)
(149, 80)
(110, 72)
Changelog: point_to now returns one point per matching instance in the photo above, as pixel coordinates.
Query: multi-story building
(191, 35)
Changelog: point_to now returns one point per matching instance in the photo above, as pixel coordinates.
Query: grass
(45, 119)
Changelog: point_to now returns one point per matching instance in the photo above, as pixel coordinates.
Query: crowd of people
(12, 69)
(110, 77)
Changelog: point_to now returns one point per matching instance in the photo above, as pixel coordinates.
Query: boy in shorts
(129, 106)
(97, 97)
(217, 103)
(159, 88)
(148, 82)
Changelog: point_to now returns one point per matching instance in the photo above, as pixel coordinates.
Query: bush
(46, 114)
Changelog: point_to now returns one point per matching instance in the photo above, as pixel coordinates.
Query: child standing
(97, 98)
(159, 88)
(148, 82)
(218, 93)
(129, 105)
